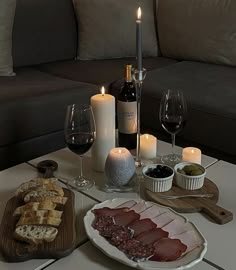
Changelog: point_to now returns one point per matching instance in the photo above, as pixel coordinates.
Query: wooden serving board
(63, 245)
(190, 205)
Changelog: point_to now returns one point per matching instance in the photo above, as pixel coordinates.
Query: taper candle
(104, 114)
(139, 39)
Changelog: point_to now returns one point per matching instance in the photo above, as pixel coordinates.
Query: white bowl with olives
(189, 175)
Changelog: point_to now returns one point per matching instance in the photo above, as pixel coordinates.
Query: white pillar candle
(104, 114)
(120, 166)
(148, 146)
(192, 154)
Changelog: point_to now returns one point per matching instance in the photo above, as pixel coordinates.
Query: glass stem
(81, 168)
(173, 143)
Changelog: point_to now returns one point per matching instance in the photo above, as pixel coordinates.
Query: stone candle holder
(119, 167)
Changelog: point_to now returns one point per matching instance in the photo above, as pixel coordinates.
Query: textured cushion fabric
(203, 30)
(44, 31)
(33, 104)
(7, 13)
(107, 28)
(100, 72)
(210, 93)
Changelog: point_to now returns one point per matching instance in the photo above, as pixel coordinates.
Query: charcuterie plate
(186, 261)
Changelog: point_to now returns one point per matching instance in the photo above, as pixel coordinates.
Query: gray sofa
(48, 78)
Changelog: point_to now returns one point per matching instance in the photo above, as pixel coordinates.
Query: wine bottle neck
(128, 75)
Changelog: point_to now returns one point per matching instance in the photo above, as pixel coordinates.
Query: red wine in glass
(79, 143)
(79, 137)
(173, 111)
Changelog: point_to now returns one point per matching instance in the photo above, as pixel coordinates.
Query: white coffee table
(221, 238)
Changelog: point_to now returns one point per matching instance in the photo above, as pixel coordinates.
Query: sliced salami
(101, 221)
(142, 225)
(124, 219)
(106, 211)
(151, 236)
(167, 249)
(136, 251)
(121, 235)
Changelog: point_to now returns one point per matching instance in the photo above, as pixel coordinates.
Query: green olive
(181, 171)
(196, 172)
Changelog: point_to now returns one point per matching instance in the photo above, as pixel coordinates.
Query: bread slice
(34, 206)
(40, 195)
(33, 184)
(42, 213)
(34, 234)
(39, 220)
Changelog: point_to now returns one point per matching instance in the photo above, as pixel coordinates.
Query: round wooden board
(191, 205)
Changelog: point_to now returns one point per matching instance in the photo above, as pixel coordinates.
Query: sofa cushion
(44, 31)
(210, 93)
(99, 72)
(198, 30)
(7, 13)
(33, 103)
(107, 28)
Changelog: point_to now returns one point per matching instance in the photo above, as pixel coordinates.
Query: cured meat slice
(151, 236)
(101, 221)
(142, 225)
(106, 211)
(108, 230)
(163, 219)
(139, 207)
(167, 249)
(189, 239)
(135, 250)
(125, 218)
(121, 235)
(176, 226)
(150, 212)
(127, 204)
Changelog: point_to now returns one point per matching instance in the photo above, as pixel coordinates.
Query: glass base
(80, 183)
(171, 159)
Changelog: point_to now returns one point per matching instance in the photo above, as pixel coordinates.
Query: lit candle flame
(147, 137)
(139, 13)
(192, 151)
(119, 151)
(103, 90)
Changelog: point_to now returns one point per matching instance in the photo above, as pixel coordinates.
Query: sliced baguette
(33, 184)
(39, 220)
(40, 195)
(34, 206)
(42, 213)
(34, 234)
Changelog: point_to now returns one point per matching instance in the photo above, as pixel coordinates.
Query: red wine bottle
(127, 112)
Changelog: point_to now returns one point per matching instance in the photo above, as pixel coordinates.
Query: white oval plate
(191, 258)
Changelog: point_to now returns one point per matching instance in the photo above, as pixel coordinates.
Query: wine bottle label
(127, 117)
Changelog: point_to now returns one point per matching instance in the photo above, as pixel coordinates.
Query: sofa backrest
(202, 30)
(44, 31)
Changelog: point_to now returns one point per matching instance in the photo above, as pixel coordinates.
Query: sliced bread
(34, 206)
(34, 234)
(33, 184)
(39, 220)
(42, 213)
(40, 195)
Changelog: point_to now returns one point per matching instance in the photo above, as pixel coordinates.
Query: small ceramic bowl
(157, 184)
(190, 182)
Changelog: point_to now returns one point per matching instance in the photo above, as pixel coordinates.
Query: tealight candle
(119, 167)
(192, 154)
(148, 146)
(104, 114)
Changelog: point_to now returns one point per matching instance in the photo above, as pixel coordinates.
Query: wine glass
(79, 137)
(173, 110)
